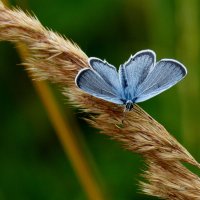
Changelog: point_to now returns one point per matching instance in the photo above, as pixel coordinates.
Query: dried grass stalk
(57, 59)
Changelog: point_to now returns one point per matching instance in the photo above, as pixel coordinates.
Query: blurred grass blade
(188, 50)
(65, 134)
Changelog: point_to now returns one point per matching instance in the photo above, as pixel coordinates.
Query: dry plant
(57, 59)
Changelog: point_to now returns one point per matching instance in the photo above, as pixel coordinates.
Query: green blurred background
(32, 162)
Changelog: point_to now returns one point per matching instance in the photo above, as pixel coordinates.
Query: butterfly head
(128, 105)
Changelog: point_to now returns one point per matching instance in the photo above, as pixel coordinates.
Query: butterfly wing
(135, 70)
(166, 73)
(107, 71)
(92, 83)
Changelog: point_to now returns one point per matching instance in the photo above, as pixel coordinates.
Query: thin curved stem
(65, 134)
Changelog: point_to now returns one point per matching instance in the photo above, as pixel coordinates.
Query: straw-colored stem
(69, 143)
(67, 138)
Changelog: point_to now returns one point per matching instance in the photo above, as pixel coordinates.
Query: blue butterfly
(138, 79)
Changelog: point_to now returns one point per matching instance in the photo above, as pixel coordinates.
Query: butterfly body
(138, 79)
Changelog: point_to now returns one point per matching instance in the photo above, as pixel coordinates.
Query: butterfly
(137, 80)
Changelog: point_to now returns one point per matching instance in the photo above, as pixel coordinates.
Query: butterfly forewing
(135, 70)
(92, 83)
(107, 72)
(166, 73)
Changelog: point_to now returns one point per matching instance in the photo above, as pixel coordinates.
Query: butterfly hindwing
(91, 82)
